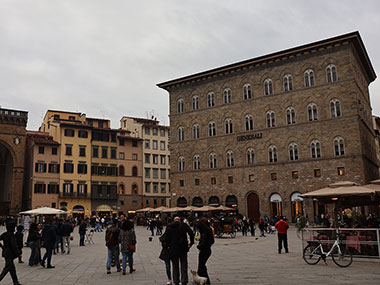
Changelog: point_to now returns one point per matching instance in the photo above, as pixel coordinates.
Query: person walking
(112, 243)
(251, 225)
(49, 234)
(34, 241)
(165, 256)
(262, 227)
(204, 246)
(67, 229)
(10, 252)
(282, 233)
(244, 226)
(59, 239)
(82, 232)
(176, 239)
(127, 239)
(20, 241)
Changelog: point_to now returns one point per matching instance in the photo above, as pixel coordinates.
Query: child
(20, 240)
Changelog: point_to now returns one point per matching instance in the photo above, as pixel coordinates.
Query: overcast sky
(104, 58)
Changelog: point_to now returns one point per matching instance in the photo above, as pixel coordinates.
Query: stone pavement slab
(243, 260)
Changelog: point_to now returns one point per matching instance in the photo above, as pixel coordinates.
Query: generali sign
(249, 137)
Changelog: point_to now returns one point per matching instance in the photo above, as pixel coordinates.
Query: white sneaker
(169, 282)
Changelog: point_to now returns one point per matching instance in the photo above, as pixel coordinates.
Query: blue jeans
(81, 240)
(127, 255)
(48, 253)
(113, 252)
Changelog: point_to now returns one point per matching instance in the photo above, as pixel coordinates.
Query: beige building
(41, 170)
(72, 132)
(130, 179)
(256, 134)
(156, 154)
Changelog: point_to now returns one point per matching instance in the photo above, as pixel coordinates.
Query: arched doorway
(134, 189)
(78, 211)
(297, 206)
(253, 206)
(6, 178)
(275, 205)
(181, 202)
(214, 201)
(231, 201)
(197, 202)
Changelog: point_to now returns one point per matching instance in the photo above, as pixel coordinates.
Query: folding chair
(89, 236)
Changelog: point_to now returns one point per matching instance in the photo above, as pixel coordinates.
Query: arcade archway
(253, 206)
(6, 178)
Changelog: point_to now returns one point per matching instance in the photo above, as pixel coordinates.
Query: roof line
(349, 36)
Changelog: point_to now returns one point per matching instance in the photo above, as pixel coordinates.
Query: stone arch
(181, 202)
(7, 161)
(253, 205)
(197, 201)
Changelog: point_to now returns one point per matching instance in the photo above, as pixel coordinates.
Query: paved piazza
(242, 260)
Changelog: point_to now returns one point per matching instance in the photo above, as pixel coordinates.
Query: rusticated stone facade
(12, 156)
(320, 131)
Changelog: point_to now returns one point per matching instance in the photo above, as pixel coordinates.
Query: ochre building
(258, 133)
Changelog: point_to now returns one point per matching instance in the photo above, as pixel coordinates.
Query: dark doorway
(6, 177)
(253, 205)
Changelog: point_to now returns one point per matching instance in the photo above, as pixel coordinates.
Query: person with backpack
(204, 246)
(10, 252)
(112, 243)
(127, 239)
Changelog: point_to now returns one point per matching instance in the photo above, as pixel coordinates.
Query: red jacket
(282, 227)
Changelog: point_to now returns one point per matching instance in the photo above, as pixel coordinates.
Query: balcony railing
(73, 195)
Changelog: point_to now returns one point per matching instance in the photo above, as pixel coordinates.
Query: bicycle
(314, 252)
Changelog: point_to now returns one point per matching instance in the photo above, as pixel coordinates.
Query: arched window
(293, 151)
(197, 202)
(212, 160)
(288, 82)
(134, 189)
(290, 116)
(227, 96)
(195, 102)
(211, 129)
(312, 112)
(315, 148)
(248, 123)
(181, 134)
(272, 153)
(180, 106)
(134, 171)
(309, 78)
(268, 87)
(271, 119)
(210, 99)
(339, 146)
(250, 156)
(181, 202)
(121, 170)
(247, 92)
(196, 162)
(230, 161)
(335, 108)
(196, 131)
(181, 163)
(331, 73)
(228, 126)
(121, 189)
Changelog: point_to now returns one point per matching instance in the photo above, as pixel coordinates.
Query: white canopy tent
(43, 211)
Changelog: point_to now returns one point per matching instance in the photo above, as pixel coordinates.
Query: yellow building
(72, 132)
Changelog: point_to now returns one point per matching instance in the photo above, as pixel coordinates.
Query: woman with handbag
(127, 239)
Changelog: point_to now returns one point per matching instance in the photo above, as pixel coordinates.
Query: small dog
(198, 279)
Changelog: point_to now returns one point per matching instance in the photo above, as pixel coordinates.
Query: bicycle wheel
(343, 259)
(312, 254)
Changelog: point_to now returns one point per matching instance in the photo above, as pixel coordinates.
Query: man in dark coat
(10, 252)
(204, 246)
(82, 232)
(176, 239)
(67, 229)
(49, 234)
